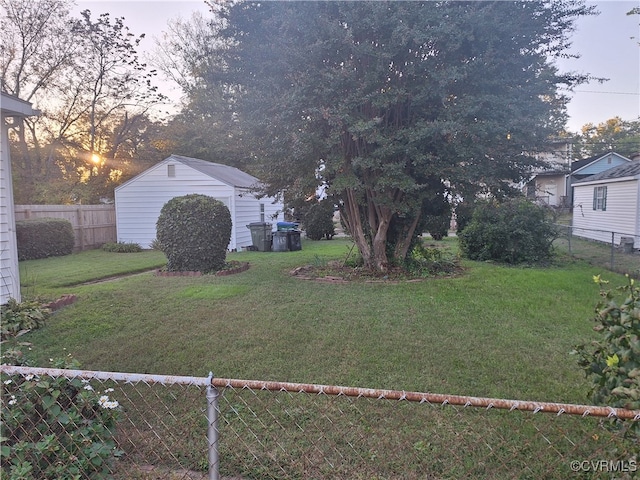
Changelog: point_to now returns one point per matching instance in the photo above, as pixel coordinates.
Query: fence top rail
(573, 227)
(419, 397)
(432, 398)
(116, 376)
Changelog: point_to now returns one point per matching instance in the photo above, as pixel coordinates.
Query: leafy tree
(36, 47)
(615, 134)
(383, 101)
(94, 93)
(207, 126)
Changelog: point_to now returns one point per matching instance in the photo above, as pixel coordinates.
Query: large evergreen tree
(393, 103)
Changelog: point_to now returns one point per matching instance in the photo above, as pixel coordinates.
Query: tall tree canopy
(615, 134)
(85, 76)
(395, 104)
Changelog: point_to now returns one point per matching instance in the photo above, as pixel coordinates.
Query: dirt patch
(63, 301)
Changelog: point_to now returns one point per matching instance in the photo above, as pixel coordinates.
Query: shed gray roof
(630, 169)
(229, 175)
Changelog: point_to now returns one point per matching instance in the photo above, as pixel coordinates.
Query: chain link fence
(615, 251)
(210, 428)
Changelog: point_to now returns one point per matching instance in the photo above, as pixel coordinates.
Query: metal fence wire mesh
(265, 430)
(614, 251)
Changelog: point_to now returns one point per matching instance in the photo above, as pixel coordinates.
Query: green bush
(55, 427)
(437, 225)
(194, 231)
(613, 363)
(318, 221)
(429, 261)
(44, 237)
(464, 214)
(18, 317)
(514, 231)
(122, 247)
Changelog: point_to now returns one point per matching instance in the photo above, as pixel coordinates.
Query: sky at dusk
(608, 44)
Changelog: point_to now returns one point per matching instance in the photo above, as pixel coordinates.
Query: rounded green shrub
(44, 237)
(514, 231)
(194, 231)
(318, 222)
(438, 225)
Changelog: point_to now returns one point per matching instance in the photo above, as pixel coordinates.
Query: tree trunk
(404, 242)
(373, 247)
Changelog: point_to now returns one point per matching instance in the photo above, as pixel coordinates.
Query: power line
(608, 93)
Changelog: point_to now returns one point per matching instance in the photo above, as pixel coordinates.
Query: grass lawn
(494, 331)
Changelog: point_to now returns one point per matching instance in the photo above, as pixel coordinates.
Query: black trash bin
(293, 240)
(261, 235)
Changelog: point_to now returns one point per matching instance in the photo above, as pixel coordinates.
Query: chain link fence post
(212, 433)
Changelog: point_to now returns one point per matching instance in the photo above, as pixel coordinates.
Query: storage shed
(11, 107)
(139, 201)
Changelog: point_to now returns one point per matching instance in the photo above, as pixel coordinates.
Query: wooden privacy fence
(93, 225)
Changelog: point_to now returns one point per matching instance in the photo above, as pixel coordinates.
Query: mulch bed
(229, 269)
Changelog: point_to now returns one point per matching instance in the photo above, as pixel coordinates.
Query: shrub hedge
(318, 222)
(121, 247)
(514, 231)
(194, 232)
(44, 237)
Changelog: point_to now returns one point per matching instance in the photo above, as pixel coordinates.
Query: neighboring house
(549, 185)
(11, 109)
(582, 169)
(609, 202)
(139, 201)
(554, 185)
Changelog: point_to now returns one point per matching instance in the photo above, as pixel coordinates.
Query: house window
(171, 170)
(600, 198)
(262, 212)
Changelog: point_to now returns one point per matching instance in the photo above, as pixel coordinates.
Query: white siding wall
(621, 214)
(139, 201)
(248, 211)
(9, 273)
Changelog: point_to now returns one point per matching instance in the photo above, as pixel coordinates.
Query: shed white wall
(139, 201)
(621, 216)
(248, 211)
(9, 270)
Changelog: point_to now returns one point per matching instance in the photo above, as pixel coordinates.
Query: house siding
(140, 200)
(9, 273)
(604, 163)
(550, 189)
(10, 106)
(621, 215)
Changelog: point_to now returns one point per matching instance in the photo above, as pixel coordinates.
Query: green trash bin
(261, 235)
(280, 242)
